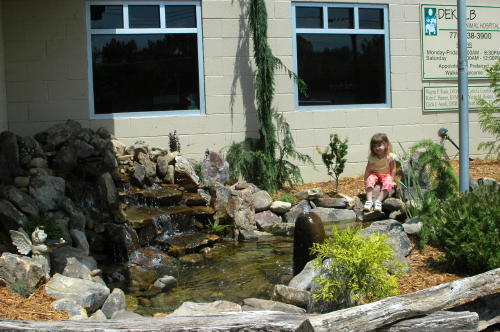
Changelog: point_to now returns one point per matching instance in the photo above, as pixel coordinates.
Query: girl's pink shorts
(386, 179)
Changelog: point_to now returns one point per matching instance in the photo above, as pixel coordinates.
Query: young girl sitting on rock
(381, 167)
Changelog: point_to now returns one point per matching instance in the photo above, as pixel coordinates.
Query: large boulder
(114, 303)
(214, 169)
(192, 308)
(89, 294)
(24, 202)
(15, 268)
(300, 208)
(334, 215)
(262, 201)
(48, 191)
(266, 220)
(60, 255)
(240, 208)
(9, 157)
(397, 238)
(293, 296)
(184, 168)
(304, 280)
(10, 217)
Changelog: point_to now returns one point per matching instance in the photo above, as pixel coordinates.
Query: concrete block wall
(46, 81)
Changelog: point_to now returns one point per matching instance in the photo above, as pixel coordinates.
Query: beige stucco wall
(3, 98)
(46, 75)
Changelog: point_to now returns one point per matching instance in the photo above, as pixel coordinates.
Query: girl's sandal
(377, 206)
(368, 206)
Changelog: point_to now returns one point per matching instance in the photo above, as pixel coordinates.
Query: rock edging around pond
(380, 315)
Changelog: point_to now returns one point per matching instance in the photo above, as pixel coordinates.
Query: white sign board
(445, 98)
(439, 40)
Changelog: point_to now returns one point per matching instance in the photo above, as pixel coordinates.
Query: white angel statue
(40, 251)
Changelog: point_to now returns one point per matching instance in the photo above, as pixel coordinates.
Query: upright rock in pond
(214, 168)
(308, 230)
(48, 191)
(240, 208)
(114, 303)
(107, 190)
(9, 158)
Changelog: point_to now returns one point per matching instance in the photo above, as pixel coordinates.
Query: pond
(234, 271)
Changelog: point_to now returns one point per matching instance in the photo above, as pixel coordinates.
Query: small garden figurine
(40, 250)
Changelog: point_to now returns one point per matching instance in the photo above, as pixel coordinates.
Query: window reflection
(371, 18)
(144, 16)
(106, 17)
(180, 16)
(147, 72)
(309, 17)
(342, 69)
(340, 18)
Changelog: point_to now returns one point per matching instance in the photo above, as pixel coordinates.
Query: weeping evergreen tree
(264, 161)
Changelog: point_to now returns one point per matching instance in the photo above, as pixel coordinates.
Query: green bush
(48, 224)
(358, 270)
(466, 227)
(215, 227)
(20, 287)
(489, 120)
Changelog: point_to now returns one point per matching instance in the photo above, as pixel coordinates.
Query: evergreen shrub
(466, 227)
(48, 224)
(358, 269)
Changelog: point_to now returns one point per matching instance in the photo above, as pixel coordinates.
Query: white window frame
(161, 30)
(355, 30)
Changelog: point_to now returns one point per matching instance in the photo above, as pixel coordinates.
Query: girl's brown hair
(380, 138)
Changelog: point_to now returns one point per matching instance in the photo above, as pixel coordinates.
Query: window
(145, 58)
(342, 53)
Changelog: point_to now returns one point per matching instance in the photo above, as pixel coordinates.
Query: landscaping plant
(466, 227)
(48, 224)
(255, 159)
(20, 287)
(358, 267)
(334, 157)
(174, 143)
(489, 119)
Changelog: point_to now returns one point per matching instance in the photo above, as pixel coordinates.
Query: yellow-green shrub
(358, 268)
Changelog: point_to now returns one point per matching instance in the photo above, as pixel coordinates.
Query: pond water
(234, 272)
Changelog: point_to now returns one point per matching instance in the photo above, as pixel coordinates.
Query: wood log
(487, 307)
(377, 314)
(228, 321)
(442, 321)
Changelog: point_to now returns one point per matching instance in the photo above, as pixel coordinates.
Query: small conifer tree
(334, 157)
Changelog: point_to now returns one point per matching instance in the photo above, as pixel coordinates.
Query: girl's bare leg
(369, 194)
(381, 196)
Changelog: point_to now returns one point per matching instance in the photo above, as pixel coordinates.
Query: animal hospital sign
(439, 40)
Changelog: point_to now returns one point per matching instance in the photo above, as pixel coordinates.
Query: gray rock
(139, 173)
(397, 237)
(66, 159)
(103, 133)
(240, 208)
(86, 293)
(334, 215)
(302, 207)
(82, 149)
(280, 207)
(14, 268)
(222, 197)
(10, 217)
(372, 216)
(262, 200)
(22, 181)
(303, 280)
(214, 169)
(149, 166)
(332, 202)
(60, 133)
(80, 239)
(118, 147)
(59, 258)
(282, 229)
(170, 177)
(192, 308)
(259, 304)
(24, 202)
(310, 194)
(162, 163)
(78, 317)
(267, 219)
(98, 315)
(184, 167)
(29, 146)
(166, 283)
(48, 191)
(114, 303)
(124, 314)
(392, 204)
(75, 269)
(247, 235)
(107, 190)
(293, 296)
(38, 162)
(413, 226)
(77, 219)
(9, 157)
(70, 306)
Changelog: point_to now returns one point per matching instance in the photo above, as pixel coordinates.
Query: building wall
(46, 79)
(3, 98)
